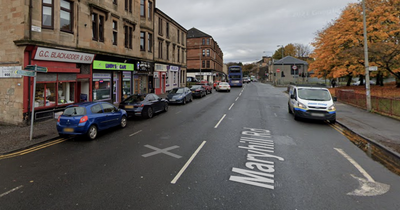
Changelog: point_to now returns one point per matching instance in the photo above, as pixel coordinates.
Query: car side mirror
(292, 97)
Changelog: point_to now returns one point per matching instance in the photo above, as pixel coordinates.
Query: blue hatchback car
(88, 118)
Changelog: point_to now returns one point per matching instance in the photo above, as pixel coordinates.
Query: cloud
(245, 30)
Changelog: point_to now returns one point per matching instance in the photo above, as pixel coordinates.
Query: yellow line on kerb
(32, 149)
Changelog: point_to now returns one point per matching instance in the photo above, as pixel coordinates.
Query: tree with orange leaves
(339, 47)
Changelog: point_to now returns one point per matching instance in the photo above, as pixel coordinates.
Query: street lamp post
(280, 76)
(366, 63)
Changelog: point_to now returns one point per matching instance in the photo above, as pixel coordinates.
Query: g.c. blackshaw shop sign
(48, 54)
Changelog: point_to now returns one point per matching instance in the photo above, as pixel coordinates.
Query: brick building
(93, 50)
(204, 56)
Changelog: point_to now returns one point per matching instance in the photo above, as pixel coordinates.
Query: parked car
(144, 105)
(88, 118)
(179, 95)
(215, 84)
(370, 82)
(223, 86)
(207, 87)
(198, 91)
(246, 80)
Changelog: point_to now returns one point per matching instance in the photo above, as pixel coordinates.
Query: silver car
(223, 86)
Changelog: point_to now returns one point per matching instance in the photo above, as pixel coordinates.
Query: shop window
(66, 93)
(101, 86)
(126, 84)
(45, 95)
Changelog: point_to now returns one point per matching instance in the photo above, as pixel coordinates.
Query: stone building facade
(92, 49)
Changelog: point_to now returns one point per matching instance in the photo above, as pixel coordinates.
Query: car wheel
(191, 99)
(332, 121)
(149, 112)
(289, 110)
(184, 101)
(63, 135)
(211, 91)
(165, 107)
(92, 132)
(296, 117)
(123, 122)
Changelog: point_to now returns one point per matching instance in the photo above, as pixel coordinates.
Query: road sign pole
(33, 103)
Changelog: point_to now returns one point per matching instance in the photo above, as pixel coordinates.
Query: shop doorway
(116, 87)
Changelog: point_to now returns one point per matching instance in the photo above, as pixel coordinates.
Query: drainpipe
(30, 19)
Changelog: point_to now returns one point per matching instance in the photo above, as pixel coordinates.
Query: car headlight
(302, 106)
(332, 108)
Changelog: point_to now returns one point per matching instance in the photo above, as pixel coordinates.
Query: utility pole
(366, 63)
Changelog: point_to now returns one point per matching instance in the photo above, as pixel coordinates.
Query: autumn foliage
(339, 47)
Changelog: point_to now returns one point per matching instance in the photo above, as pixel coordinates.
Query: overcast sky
(248, 30)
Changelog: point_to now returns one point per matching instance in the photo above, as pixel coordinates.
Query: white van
(310, 102)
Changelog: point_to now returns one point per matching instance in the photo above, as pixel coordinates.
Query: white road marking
(216, 126)
(237, 98)
(231, 106)
(240, 94)
(164, 151)
(178, 112)
(275, 115)
(187, 163)
(8, 192)
(135, 133)
(359, 168)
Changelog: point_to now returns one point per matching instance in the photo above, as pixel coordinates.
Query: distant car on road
(246, 80)
(198, 91)
(207, 87)
(180, 95)
(223, 86)
(215, 84)
(144, 105)
(88, 118)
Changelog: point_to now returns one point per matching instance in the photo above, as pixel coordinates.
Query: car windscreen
(177, 90)
(223, 83)
(195, 87)
(314, 94)
(134, 99)
(74, 111)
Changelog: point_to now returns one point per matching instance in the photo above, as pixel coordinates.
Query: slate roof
(196, 33)
(290, 60)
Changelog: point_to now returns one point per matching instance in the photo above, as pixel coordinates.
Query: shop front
(112, 81)
(160, 75)
(143, 77)
(172, 77)
(66, 82)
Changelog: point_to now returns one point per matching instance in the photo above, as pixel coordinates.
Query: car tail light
(58, 120)
(83, 119)
(141, 105)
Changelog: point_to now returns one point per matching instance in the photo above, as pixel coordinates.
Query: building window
(167, 48)
(208, 64)
(208, 52)
(115, 2)
(204, 42)
(150, 9)
(142, 8)
(150, 42)
(160, 49)
(66, 16)
(173, 53)
(167, 29)
(177, 39)
(142, 41)
(47, 14)
(160, 26)
(128, 5)
(115, 32)
(179, 53)
(208, 41)
(98, 27)
(183, 40)
(203, 64)
(128, 31)
(204, 53)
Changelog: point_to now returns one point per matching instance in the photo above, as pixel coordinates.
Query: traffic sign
(25, 73)
(278, 70)
(37, 68)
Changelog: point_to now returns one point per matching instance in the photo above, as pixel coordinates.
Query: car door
(154, 102)
(99, 118)
(112, 116)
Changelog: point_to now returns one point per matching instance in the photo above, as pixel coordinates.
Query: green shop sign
(105, 65)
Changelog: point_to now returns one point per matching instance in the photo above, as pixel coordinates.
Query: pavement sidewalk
(376, 128)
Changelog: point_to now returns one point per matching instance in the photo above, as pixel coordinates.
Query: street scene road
(229, 150)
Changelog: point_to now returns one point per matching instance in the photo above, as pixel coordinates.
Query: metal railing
(382, 105)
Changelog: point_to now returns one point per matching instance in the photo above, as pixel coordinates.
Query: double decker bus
(235, 76)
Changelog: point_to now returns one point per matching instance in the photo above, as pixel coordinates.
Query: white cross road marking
(158, 151)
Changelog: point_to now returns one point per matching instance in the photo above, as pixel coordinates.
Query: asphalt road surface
(236, 150)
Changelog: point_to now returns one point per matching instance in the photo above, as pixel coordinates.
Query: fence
(382, 105)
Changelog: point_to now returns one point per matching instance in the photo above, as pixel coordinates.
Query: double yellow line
(32, 149)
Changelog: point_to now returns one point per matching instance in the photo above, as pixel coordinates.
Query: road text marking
(187, 163)
(159, 151)
(216, 126)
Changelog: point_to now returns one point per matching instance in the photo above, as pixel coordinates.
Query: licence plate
(172, 99)
(317, 115)
(69, 130)
(128, 107)
(192, 91)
